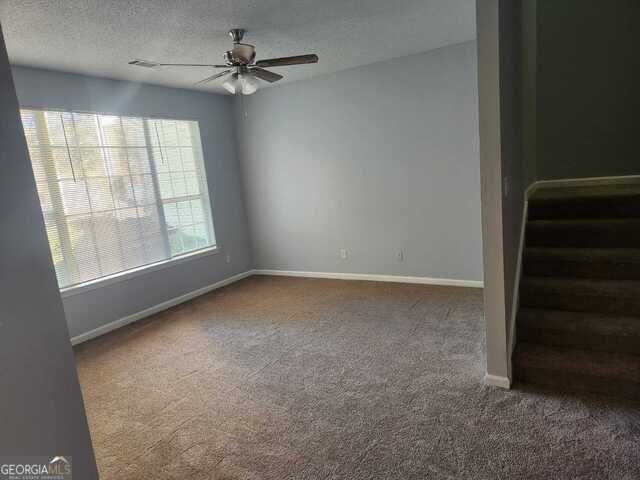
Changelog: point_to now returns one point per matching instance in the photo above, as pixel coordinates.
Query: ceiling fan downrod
(236, 34)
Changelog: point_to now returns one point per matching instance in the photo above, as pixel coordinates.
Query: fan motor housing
(240, 54)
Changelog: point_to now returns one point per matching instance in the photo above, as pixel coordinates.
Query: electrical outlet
(228, 258)
(343, 253)
(400, 255)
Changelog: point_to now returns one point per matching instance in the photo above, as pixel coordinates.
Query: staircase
(578, 324)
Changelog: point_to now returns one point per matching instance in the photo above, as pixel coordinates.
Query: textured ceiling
(99, 37)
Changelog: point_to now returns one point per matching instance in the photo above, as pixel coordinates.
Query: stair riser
(561, 380)
(580, 340)
(614, 207)
(531, 298)
(618, 235)
(602, 269)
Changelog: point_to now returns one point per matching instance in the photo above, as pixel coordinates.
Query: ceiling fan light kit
(241, 83)
(242, 72)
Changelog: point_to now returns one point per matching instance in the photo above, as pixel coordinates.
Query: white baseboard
(497, 381)
(101, 330)
(373, 278)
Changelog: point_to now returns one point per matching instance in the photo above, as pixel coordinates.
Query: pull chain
(66, 142)
(243, 105)
(155, 125)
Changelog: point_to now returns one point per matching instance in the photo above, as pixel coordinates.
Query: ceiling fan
(242, 70)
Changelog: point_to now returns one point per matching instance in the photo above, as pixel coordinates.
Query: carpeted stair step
(588, 331)
(581, 295)
(586, 206)
(613, 264)
(590, 233)
(614, 374)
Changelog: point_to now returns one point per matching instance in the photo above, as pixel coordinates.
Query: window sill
(135, 272)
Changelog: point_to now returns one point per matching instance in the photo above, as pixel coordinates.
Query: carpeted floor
(281, 378)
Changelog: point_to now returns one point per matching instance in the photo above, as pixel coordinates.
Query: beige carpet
(279, 378)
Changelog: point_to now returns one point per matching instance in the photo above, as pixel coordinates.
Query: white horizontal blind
(117, 192)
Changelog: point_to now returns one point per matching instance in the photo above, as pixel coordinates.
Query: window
(117, 192)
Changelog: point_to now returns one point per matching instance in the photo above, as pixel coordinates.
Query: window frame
(126, 275)
(130, 273)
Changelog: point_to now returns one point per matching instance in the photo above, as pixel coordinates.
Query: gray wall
(40, 405)
(588, 72)
(86, 311)
(372, 159)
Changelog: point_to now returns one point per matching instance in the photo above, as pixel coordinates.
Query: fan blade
(191, 65)
(212, 77)
(150, 64)
(284, 61)
(144, 63)
(265, 74)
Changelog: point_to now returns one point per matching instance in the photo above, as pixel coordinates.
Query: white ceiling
(99, 37)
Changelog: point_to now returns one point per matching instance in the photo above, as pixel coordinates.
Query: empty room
(319, 240)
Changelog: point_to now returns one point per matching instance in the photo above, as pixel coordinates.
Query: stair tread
(579, 222)
(587, 206)
(617, 366)
(584, 254)
(600, 191)
(577, 262)
(583, 286)
(584, 233)
(562, 321)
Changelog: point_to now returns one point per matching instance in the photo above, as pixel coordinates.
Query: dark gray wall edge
(89, 310)
(41, 404)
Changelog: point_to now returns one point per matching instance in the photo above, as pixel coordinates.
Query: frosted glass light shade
(249, 84)
(231, 84)
(246, 84)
